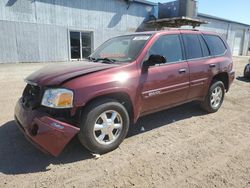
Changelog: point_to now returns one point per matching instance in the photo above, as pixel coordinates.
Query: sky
(236, 10)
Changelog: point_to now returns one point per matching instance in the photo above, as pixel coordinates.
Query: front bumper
(48, 134)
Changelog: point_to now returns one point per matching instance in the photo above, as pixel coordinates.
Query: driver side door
(165, 85)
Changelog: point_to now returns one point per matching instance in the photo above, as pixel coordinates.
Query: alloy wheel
(216, 97)
(108, 127)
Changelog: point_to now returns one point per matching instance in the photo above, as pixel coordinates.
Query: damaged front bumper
(48, 134)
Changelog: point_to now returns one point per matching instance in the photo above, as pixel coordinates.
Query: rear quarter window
(215, 44)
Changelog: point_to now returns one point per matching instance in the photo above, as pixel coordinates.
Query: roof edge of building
(146, 2)
(221, 19)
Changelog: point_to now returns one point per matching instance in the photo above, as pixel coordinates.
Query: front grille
(32, 96)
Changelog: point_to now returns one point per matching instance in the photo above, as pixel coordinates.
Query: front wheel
(214, 98)
(104, 126)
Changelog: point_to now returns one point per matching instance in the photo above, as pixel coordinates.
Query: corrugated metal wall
(26, 42)
(37, 31)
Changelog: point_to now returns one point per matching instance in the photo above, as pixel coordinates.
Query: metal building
(61, 30)
(183, 13)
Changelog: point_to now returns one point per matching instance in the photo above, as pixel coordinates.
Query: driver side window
(168, 46)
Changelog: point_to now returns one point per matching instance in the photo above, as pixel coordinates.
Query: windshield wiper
(91, 58)
(105, 60)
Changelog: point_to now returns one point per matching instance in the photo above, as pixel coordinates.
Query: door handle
(212, 65)
(182, 71)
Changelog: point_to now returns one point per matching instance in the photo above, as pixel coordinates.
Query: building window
(80, 44)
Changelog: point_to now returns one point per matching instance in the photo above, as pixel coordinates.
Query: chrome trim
(208, 57)
(168, 63)
(164, 90)
(30, 82)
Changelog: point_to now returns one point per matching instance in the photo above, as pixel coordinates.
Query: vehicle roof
(173, 30)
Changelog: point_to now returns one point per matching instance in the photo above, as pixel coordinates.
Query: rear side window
(168, 46)
(215, 44)
(192, 46)
(204, 47)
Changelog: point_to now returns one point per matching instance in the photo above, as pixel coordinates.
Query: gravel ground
(180, 147)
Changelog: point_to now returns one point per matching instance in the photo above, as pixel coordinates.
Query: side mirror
(155, 59)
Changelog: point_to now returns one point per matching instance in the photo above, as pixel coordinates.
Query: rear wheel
(246, 74)
(214, 98)
(104, 126)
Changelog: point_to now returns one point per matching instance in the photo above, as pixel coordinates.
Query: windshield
(120, 49)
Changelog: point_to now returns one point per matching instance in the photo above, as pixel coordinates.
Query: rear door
(166, 84)
(198, 59)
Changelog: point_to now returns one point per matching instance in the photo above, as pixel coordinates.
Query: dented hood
(60, 72)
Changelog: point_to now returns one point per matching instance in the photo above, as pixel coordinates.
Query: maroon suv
(125, 78)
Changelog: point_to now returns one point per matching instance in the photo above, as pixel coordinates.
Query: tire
(97, 126)
(214, 97)
(246, 74)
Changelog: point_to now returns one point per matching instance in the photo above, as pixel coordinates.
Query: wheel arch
(121, 97)
(223, 76)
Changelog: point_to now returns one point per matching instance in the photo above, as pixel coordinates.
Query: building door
(248, 50)
(238, 43)
(80, 44)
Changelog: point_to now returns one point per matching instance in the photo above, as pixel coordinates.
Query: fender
(132, 96)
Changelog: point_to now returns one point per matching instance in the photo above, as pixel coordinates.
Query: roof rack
(176, 22)
(190, 29)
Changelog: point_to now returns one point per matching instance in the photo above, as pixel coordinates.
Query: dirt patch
(180, 147)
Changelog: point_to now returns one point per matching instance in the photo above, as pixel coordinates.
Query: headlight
(58, 98)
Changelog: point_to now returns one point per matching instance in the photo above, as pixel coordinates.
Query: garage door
(238, 42)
